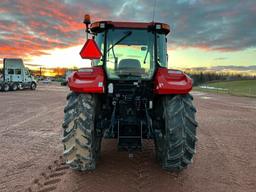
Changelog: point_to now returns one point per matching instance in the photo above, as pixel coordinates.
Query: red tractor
(130, 95)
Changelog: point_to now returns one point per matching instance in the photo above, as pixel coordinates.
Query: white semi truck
(16, 76)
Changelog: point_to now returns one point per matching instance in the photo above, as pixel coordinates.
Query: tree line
(203, 77)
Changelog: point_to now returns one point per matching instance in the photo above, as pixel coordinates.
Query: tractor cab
(131, 51)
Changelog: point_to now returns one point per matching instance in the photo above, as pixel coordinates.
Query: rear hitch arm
(112, 123)
(149, 123)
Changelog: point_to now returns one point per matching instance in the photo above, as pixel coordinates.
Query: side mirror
(90, 50)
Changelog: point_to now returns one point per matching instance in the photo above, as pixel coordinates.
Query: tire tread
(178, 145)
(79, 136)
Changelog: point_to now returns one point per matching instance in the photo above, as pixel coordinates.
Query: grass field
(239, 88)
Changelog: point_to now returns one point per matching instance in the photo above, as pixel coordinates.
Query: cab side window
(162, 50)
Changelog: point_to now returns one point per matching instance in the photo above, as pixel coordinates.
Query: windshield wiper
(120, 40)
(146, 57)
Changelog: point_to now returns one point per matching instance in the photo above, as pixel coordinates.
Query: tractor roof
(102, 25)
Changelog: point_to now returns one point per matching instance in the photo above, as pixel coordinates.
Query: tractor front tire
(175, 143)
(81, 145)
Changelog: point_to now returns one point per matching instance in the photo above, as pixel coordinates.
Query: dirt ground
(30, 152)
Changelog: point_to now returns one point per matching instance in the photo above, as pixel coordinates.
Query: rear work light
(162, 26)
(158, 26)
(102, 25)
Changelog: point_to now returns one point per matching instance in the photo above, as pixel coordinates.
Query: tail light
(87, 70)
(170, 81)
(174, 72)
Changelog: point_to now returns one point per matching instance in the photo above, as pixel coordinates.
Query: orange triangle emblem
(90, 50)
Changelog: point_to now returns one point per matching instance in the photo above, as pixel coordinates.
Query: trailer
(16, 76)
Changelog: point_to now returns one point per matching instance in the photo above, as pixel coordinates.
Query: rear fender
(169, 81)
(88, 80)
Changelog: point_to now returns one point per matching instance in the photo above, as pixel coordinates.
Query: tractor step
(129, 137)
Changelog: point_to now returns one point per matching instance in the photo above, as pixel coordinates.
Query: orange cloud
(32, 27)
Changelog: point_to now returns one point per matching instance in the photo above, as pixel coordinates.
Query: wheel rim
(33, 86)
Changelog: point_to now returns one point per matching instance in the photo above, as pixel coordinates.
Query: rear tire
(81, 145)
(6, 87)
(175, 143)
(14, 87)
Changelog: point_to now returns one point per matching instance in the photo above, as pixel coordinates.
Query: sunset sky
(205, 33)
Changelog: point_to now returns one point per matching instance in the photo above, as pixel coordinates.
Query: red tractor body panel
(169, 81)
(88, 80)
